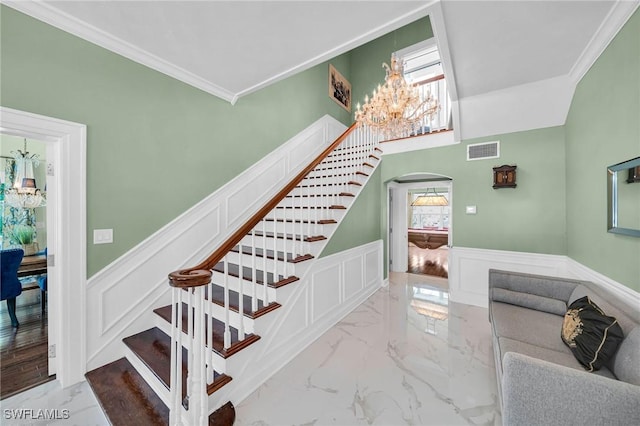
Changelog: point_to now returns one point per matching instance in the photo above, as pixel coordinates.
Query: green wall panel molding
(603, 129)
(155, 146)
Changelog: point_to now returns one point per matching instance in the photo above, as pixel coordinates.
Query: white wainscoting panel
(120, 298)
(578, 270)
(321, 298)
(469, 270)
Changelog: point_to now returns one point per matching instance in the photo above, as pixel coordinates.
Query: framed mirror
(623, 198)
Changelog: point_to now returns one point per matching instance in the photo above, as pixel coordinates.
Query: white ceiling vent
(482, 151)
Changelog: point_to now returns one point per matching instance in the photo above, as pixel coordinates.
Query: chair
(11, 287)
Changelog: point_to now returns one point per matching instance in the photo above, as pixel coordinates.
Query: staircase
(173, 373)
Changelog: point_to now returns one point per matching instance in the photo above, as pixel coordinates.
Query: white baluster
(198, 388)
(241, 294)
(227, 330)
(265, 294)
(175, 416)
(274, 264)
(209, 334)
(254, 272)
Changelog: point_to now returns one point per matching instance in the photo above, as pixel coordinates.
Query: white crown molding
(396, 23)
(619, 14)
(52, 16)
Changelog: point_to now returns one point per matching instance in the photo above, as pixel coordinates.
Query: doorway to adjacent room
(420, 224)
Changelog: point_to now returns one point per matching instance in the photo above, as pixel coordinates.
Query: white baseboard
(469, 272)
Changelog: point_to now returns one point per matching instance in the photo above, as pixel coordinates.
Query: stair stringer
(121, 296)
(288, 330)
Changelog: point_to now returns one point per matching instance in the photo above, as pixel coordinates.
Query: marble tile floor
(407, 356)
(49, 404)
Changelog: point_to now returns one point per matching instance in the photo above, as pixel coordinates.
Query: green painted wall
(529, 218)
(362, 223)
(603, 128)
(156, 146)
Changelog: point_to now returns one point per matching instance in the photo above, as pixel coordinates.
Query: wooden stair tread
(223, 416)
(153, 347)
(310, 207)
(234, 299)
(307, 238)
(234, 271)
(328, 184)
(217, 332)
(259, 252)
(125, 397)
(318, 222)
(341, 194)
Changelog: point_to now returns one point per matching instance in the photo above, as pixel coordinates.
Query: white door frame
(398, 248)
(66, 142)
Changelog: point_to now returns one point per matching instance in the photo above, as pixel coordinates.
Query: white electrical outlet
(102, 236)
(471, 210)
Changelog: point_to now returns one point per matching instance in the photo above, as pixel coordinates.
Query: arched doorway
(420, 226)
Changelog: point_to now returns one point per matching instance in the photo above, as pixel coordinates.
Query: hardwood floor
(23, 351)
(428, 261)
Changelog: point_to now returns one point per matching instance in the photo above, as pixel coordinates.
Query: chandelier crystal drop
(396, 109)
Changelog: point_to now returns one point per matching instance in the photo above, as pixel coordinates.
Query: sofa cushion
(553, 287)
(564, 358)
(592, 336)
(531, 301)
(527, 325)
(626, 362)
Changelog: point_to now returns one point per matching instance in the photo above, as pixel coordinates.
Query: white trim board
(59, 19)
(123, 294)
(469, 272)
(70, 245)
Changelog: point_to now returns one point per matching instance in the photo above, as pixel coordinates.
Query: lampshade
(431, 200)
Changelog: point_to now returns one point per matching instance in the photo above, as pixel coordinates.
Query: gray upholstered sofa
(540, 381)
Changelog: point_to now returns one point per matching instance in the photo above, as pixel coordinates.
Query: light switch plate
(102, 236)
(471, 210)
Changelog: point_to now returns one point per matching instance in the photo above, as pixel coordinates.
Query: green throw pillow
(592, 336)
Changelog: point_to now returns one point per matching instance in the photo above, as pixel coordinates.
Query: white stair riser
(316, 229)
(247, 286)
(307, 247)
(148, 376)
(317, 201)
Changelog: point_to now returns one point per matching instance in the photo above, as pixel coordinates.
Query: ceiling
(232, 48)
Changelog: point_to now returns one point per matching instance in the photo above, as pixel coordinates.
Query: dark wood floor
(428, 261)
(23, 351)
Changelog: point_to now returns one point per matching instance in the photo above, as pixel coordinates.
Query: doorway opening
(428, 231)
(24, 331)
(420, 225)
(66, 236)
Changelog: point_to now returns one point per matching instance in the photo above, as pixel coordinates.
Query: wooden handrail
(201, 274)
(430, 80)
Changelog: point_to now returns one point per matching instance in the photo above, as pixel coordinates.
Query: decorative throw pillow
(592, 336)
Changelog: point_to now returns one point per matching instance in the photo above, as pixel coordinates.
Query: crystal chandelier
(396, 108)
(24, 193)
